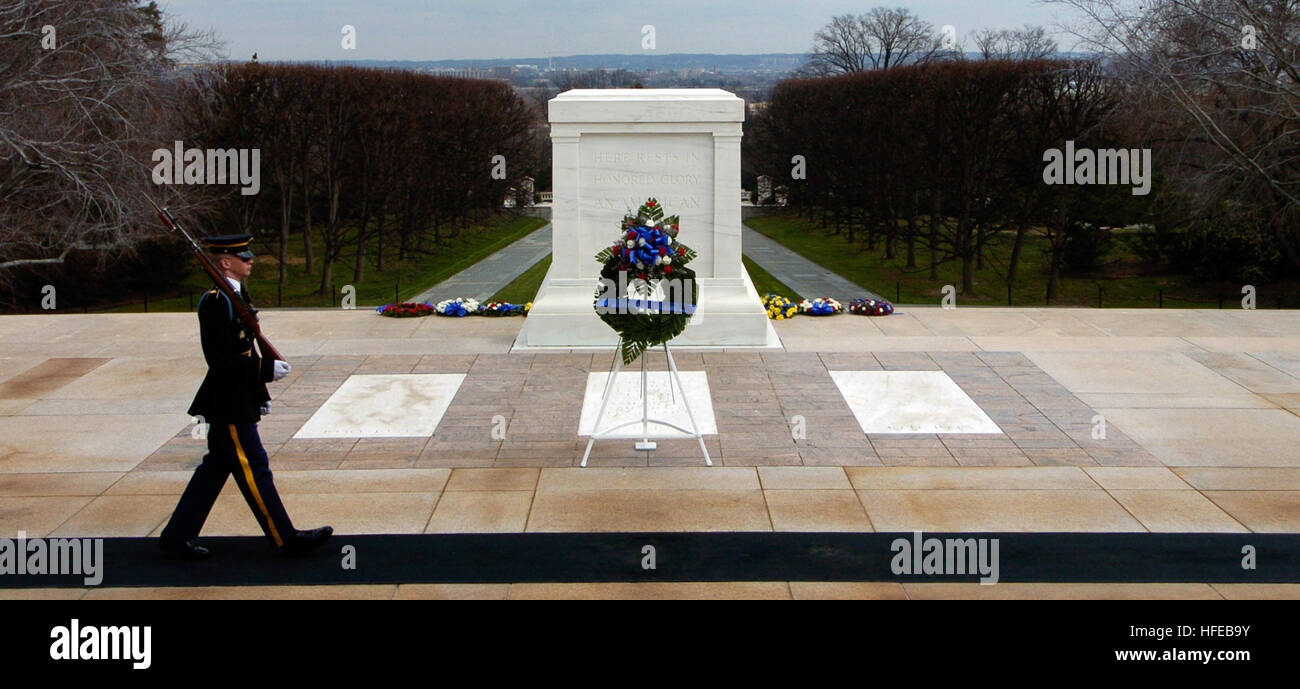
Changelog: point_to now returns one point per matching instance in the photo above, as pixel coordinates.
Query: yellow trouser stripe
(252, 486)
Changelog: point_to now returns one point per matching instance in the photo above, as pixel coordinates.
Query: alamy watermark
(1099, 166)
(946, 556)
(53, 556)
(667, 295)
(91, 642)
(180, 165)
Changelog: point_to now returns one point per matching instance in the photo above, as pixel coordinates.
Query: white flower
(630, 243)
(668, 259)
(641, 241)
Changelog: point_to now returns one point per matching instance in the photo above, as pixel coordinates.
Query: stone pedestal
(613, 149)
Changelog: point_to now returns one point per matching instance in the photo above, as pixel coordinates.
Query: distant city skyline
(502, 29)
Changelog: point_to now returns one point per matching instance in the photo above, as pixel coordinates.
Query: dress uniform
(232, 399)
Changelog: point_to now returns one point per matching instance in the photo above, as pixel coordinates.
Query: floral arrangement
(459, 307)
(503, 308)
(871, 307)
(648, 248)
(822, 306)
(405, 309)
(645, 255)
(778, 307)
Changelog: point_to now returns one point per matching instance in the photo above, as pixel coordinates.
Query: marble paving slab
(626, 404)
(406, 405)
(911, 402)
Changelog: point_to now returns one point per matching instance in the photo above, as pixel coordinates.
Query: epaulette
(230, 309)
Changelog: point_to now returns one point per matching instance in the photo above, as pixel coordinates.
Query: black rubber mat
(728, 556)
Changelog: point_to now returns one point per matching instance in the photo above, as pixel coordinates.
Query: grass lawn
(884, 276)
(523, 288)
(765, 283)
(404, 279)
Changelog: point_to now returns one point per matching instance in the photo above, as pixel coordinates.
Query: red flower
(631, 234)
(663, 251)
(641, 276)
(668, 269)
(681, 251)
(618, 251)
(650, 204)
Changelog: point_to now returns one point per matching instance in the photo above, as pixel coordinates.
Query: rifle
(241, 311)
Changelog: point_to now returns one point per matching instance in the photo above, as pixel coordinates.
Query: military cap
(236, 244)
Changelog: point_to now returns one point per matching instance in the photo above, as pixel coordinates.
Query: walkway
(483, 279)
(803, 276)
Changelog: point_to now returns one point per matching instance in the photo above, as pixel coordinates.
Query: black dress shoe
(185, 550)
(304, 541)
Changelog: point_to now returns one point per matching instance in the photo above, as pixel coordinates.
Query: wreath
(457, 308)
(405, 309)
(778, 307)
(643, 281)
(822, 306)
(870, 307)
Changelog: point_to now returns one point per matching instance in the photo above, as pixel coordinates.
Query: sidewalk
(803, 276)
(483, 279)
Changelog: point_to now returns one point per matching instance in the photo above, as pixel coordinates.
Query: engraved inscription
(632, 202)
(644, 157)
(629, 178)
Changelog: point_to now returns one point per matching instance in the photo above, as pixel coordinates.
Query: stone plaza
(1103, 421)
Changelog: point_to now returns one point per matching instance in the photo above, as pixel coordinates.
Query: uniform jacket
(234, 388)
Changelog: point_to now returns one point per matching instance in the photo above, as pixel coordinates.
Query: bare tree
(1225, 72)
(1028, 43)
(87, 91)
(879, 39)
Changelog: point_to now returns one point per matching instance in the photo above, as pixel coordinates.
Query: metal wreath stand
(645, 420)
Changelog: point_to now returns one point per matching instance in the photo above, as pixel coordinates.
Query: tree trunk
(359, 271)
(965, 247)
(911, 234)
(326, 274)
(934, 239)
(1058, 244)
(331, 238)
(379, 238)
(286, 217)
(306, 224)
(1022, 227)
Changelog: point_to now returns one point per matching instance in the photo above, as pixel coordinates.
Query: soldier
(232, 399)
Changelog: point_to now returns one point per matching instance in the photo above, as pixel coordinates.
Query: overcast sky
(450, 29)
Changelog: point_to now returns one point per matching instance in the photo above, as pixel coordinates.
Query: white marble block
(384, 406)
(613, 149)
(911, 402)
(663, 401)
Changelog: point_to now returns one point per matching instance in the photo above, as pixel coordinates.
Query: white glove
(282, 369)
(266, 408)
